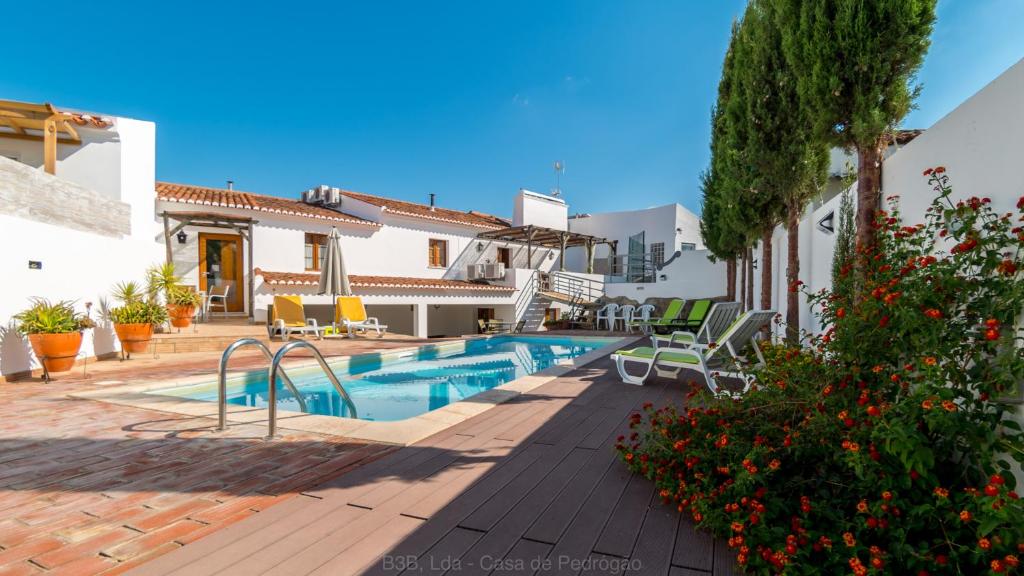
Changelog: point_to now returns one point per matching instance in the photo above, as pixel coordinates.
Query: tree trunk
(766, 270)
(792, 275)
(869, 183)
(730, 279)
(743, 280)
(750, 278)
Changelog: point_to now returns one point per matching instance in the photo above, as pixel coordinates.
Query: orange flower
(940, 492)
(949, 405)
(927, 404)
(930, 361)
(965, 516)
(862, 506)
(849, 539)
(984, 544)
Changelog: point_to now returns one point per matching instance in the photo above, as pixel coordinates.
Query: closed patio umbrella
(333, 279)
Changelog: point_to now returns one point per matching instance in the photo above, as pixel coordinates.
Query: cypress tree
(855, 62)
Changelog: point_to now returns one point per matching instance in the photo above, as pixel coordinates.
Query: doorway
(505, 257)
(220, 264)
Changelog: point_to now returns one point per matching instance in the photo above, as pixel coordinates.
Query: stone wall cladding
(32, 194)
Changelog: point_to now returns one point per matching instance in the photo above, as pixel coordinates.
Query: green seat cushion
(647, 353)
(685, 337)
(698, 312)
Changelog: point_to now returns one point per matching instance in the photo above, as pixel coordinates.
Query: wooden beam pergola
(42, 123)
(548, 238)
(241, 224)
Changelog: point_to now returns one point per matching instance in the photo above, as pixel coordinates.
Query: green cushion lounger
(695, 318)
(719, 319)
(671, 315)
(669, 362)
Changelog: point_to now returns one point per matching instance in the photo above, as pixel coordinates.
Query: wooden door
(220, 264)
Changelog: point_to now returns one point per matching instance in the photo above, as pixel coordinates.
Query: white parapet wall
(690, 275)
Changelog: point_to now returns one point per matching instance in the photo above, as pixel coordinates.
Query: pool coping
(398, 432)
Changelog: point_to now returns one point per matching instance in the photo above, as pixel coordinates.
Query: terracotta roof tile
(471, 218)
(358, 281)
(202, 195)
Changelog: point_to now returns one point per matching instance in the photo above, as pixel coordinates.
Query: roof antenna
(559, 167)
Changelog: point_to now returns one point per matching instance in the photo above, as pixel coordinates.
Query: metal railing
(275, 367)
(222, 379)
(575, 286)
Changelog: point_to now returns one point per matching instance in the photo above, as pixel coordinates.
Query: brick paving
(88, 487)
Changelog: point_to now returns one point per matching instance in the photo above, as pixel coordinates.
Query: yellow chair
(350, 315)
(290, 317)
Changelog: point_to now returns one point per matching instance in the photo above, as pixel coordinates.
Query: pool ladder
(272, 374)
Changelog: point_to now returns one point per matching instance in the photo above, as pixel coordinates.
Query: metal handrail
(275, 365)
(222, 379)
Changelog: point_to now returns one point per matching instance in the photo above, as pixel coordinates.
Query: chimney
(231, 184)
(432, 201)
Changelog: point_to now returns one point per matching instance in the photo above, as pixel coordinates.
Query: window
(315, 250)
(658, 254)
(687, 247)
(437, 255)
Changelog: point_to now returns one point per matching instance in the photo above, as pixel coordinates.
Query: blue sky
(469, 100)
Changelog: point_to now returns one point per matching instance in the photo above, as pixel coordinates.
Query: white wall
(671, 224)
(77, 264)
(539, 210)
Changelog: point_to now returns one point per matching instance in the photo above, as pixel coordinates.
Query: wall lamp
(182, 237)
(479, 246)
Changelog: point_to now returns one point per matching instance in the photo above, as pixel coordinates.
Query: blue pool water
(412, 384)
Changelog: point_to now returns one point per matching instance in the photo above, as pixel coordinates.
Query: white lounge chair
(606, 313)
(350, 314)
(669, 362)
(720, 317)
(290, 317)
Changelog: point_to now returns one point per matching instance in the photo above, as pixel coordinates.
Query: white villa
(85, 211)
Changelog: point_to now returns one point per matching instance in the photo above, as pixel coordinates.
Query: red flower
(991, 334)
(933, 313)
(927, 172)
(940, 169)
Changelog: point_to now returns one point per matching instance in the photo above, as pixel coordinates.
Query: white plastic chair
(641, 318)
(624, 315)
(606, 313)
(218, 297)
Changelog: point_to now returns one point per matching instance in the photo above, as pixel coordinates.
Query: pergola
(240, 224)
(548, 238)
(43, 123)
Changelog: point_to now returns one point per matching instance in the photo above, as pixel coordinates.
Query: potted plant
(181, 306)
(54, 329)
(181, 301)
(136, 317)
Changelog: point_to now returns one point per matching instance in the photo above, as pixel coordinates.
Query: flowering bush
(884, 445)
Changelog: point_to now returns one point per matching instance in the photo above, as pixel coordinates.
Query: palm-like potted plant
(136, 317)
(181, 301)
(54, 329)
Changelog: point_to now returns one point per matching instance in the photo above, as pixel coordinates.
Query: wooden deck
(529, 487)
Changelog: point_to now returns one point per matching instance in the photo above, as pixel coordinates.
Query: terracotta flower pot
(134, 337)
(57, 352)
(181, 316)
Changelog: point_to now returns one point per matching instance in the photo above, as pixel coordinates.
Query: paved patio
(529, 487)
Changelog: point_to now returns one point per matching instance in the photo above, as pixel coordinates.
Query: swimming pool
(396, 387)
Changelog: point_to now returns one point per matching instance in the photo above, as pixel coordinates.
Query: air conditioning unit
(313, 196)
(333, 197)
(475, 272)
(494, 271)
